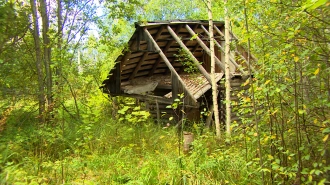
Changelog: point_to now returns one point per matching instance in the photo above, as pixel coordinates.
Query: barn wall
(114, 81)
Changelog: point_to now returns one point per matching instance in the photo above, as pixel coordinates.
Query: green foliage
(133, 114)
(290, 87)
(186, 61)
(145, 154)
(88, 140)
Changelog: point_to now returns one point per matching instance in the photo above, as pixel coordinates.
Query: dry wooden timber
(168, 45)
(138, 65)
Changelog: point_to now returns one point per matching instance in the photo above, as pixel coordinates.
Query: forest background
(56, 126)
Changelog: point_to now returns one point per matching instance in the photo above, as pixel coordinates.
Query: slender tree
(59, 37)
(47, 51)
(259, 151)
(39, 66)
(214, 84)
(227, 69)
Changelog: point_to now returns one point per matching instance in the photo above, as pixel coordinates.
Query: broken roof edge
(177, 21)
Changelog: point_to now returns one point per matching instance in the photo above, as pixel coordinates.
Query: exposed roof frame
(207, 49)
(192, 57)
(146, 53)
(168, 63)
(127, 55)
(168, 45)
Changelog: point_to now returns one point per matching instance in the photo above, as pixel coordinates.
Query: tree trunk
(47, 51)
(214, 84)
(39, 66)
(227, 68)
(58, 64)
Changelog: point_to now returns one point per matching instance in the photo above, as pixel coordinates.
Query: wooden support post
(175, 87)
(201, 43)
(169, 65)
(192, 57)
(223, 51)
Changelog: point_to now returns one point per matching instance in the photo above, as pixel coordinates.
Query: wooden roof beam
(145, 55)
(185, 42)
(127, 54)
(223, 51)
(207, 49)
(194, 49)
(239, 54)
(138, 66)
(169, 65)
(192, 57)
(168, 45)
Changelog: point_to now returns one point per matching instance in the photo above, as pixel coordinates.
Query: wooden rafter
(207, 49)
(185, 43)
(138, 66)
(168, 45)
(169, 65)
(127, 54)
(192, 57)
(145, 55)
(195, 48)
(223, 51)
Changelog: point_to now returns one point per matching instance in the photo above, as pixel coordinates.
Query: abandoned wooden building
(168, 58)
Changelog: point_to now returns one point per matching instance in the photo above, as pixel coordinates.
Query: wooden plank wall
(114, 80)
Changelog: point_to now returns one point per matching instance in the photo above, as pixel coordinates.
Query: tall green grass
(109, 152)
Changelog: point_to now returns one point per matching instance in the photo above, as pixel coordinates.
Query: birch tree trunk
(36, 36)
(227, 70)
(214, 84)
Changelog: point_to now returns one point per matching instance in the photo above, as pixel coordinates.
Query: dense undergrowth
(72, 151)
(95, 147)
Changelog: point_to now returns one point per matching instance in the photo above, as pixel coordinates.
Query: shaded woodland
(58, 125)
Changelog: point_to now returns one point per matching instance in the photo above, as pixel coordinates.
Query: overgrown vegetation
(185, 60)
(79, 139)
(110, 152)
